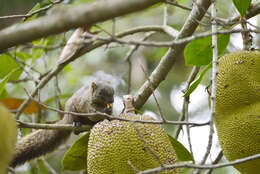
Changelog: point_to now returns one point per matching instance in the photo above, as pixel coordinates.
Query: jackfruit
(8, 137)
(116, 145)
(237, 116)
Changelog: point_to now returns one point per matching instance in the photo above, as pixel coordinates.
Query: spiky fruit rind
(8, 136)
(238, 108)
(238, 80)
(114, 145)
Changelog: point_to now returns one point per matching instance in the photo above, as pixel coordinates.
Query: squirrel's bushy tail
(39, 143)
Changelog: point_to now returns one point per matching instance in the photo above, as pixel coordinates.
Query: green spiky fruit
(8, 136)
(238, 108)
(116, 145)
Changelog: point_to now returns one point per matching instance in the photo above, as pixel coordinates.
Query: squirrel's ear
(93, 86)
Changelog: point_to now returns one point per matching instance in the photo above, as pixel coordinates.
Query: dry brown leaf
(15, 103)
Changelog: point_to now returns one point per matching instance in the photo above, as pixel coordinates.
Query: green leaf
(182, 153)
(22, 55)
(195, 83)
(76, 157)
(7, 65)
(37, 53)
(199, 52)
(242, 6)
(48, 41)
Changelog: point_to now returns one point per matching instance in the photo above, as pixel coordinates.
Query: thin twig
(129, 54)
(167, 43)
(71, 127)
(20, 64)
(214, 83)
(191, 77)
(26, 79)
(175, 3)
(205, 166)
(48, 166)
(127, 59)
(12, 170)
(165, 15)
(147, 146)
(47, 48)
(48, 76)
(39, 107)
(152, 88)
(36, 164)
(24, 63)
(57, 94)
(111, 117)
(185, 109)
(132, 166)
(25, 16)
(246, 36)
(113, 26)
(256, 27)
(8, 39)
(218, 158)
(213, 78)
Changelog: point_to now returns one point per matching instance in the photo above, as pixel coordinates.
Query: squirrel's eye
(102, 92)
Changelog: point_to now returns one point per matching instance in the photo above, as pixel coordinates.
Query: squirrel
(90, 98)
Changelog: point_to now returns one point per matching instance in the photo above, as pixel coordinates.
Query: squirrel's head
(102, 96)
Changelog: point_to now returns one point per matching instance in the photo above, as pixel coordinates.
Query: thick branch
(67, 18)
(166, 63)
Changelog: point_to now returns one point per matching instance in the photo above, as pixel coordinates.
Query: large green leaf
(7, 65)
(182, 153)
(195, 83)
(76, 157)
(199, 52)
(242, 6)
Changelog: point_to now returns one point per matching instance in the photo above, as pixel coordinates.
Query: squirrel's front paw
(77, 124)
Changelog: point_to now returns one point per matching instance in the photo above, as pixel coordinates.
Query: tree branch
(166, 63)
(197, 166)
(67, 18)
(214, 82)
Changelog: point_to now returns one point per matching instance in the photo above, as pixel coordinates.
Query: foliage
(242, 6)
(22, 64)
(182, 153)
(76, 157)
(8, 138)
(199, 52)
(15, 103)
